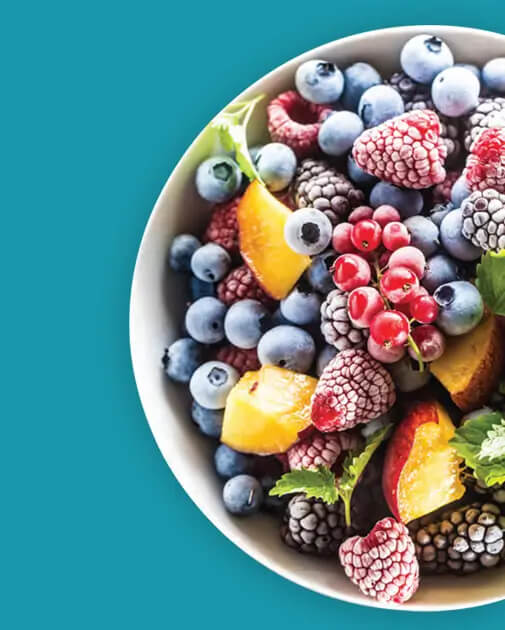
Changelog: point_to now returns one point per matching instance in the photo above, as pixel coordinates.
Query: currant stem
(417, 352)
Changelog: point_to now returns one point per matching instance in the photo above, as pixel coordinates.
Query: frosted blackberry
(489, 114)
(484, 219)
(336, 327)
(464, 540)
(311, 526)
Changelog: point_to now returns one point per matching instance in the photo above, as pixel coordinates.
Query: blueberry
(273, 504)
(455, 91)
(424, 56)
(325, 356)
(408, 202)
(182, 248)
(181, 359)
(242, 495)
(198, 288)
(358, 175)
(439, 212)
(245, 323)
(253, 151)
(439, 270)
(460, 191)
(218, 179)
(318, 275)
(493, 75)
(278, 319)
(210, 262)
(211, 383)
(378, 104)
(288, 347)
(358, 78)
(470, 66)
(276, 165)
(460, 307)
(453, 240)
(424, 234)
(301, 307)
(205, 320)
(209, 421)
(407, 377)
(308, 231)
(319, 81)
(338, 132)
(230, 463)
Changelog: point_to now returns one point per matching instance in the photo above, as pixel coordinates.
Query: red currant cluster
(382, 271)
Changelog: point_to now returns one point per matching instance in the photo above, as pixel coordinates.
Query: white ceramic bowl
(156, 313)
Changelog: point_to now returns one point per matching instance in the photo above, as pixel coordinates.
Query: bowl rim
(179, 471)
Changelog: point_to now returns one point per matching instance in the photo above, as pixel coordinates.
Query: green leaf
(355, 464)
(318, 483)
(481, 443)
(231, 126)
(491, 281)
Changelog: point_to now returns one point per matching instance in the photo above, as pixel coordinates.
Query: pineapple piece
(266, 410)
(261, 218)
(472, 364)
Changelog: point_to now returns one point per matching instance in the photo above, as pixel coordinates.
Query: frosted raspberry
(321, 449)
(242, 360)
(353, 388)
(383, 564)
(485, 165)
(442, 191)
(296, 122)
(406, 151)
(240, 284)
(223, 226)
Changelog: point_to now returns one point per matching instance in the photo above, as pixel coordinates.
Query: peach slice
(421, 469)
(261, 218)
(266, 410)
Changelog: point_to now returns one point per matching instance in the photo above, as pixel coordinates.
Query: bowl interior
(156, 316)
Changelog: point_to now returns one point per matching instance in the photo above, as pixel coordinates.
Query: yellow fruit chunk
(471, 365)
(430, 477)
(261, 219)
(266, 410)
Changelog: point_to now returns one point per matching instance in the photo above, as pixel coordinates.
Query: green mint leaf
(491, 281)
(354, 465)
(319, 484)
(231, 125)
(481, 443)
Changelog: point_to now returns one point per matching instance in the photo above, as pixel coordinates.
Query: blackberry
(318, 185)
(495, 493)
(489, 114)
(312, 526)
(406, 87)
(484, 219)
(336, 327)
(464, 540)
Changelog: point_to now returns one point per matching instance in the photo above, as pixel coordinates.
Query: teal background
(99, 101)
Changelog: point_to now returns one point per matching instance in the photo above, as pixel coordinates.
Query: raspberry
(223, 226)
(242, 360)
(241, 284)
(485, 165)
(406, 151)
(442, 191)
(321, 449)
(294, 121)
(383, 564)
(353, 388)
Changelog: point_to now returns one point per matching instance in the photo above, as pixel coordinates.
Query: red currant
(363, 304)
(360, 213)
(397, 284)
(430, 341)
(385, 214)
(390, 329)
(341, 240)
(405, 307)
(410, 257)
(424, 309)
(395, 235)
(366, 235)
(351, 271)
(385, 355)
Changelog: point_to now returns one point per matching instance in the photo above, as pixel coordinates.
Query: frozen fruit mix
(340, 323)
